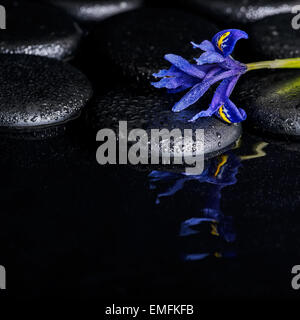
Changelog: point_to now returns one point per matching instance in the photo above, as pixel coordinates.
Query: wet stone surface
(37, 91)
(97, 10)
(272, 101)
(150, 110)
(137, 41)
(274, 37)
(39, 30)
(242, 12)
(100, 230)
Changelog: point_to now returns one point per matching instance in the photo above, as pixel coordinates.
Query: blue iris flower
(214, 65)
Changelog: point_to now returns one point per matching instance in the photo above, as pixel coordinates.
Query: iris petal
(199, 89)
(220, 93)
(185, 66)
(169, 83)
(230, 113)
(204, 45)
(171, 72)
(215, 103)
(213, 65)
(201, 114)
(232, 82)
(192, 96)
(210, 57)
(219, 99)
(224, 41)
(183, 87)
(174, 82)
(205, 68)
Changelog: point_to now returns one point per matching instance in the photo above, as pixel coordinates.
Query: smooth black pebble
(274, 37)
(136, 42)
(150, 110)
(37, 91)
(272, 101)
(88, 11)
(42, 30)
(241, 12)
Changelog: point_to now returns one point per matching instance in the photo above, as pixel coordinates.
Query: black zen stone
(37, 91)
(272, 101)
(95, 10)
(151, 110)
(274, 37)
(241, 12)
(41, 30)
(137, 41)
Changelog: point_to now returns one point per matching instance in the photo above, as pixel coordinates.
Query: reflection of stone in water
(219, 172)
(258, 150)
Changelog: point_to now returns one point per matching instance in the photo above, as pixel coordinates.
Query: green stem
(291, 63)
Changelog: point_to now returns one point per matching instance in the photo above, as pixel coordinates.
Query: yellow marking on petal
(221, 40)
(224, 159)
(214, 230)
(218, 255)
(223, 115)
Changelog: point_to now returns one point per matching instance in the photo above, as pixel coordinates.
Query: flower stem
(292, 63)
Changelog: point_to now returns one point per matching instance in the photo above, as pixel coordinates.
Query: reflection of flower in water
(219, 172)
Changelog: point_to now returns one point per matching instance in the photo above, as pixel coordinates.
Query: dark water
(73, 228)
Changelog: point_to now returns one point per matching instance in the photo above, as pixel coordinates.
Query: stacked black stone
(39, 92)
(150, 110)
(231, 12)
(137, 41)
(42, 30)
(133, 43)
(92, 11)
(275, 37)
(272, 101)
(71, 223)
